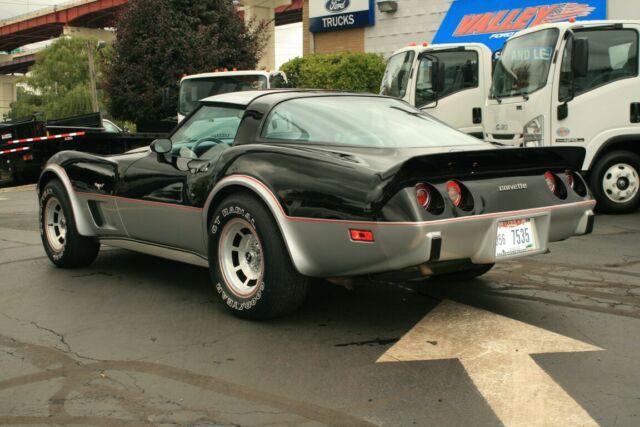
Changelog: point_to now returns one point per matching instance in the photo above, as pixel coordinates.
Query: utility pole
(92, 79)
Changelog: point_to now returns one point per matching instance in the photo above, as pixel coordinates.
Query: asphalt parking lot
(133, 340)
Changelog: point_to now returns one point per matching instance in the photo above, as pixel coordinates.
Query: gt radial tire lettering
(243, 305)
(226, 298)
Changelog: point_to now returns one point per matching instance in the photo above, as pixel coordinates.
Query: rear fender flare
(264, 193)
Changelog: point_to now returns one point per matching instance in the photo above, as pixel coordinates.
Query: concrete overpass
(88, 18)
(50, 22)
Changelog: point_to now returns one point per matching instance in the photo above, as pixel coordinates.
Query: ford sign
(336, 6)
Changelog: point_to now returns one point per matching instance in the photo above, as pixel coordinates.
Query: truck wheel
(249, 262)
(614, 182)
(62, 243)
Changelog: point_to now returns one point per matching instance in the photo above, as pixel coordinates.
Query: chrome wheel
(620, 183)
(240, 257)
(55, 225)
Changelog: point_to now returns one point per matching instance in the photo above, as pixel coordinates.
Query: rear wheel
(615, 183)
(249, 261)
(62, 243)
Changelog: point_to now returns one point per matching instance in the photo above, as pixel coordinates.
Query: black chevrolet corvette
(267, 189)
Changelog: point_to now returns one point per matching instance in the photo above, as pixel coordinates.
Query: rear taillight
(550, 178)
(423, 195)
(27, 157)
(455, 193)
(555, 185)
(459, 195)
(576, 183)
(429, 198)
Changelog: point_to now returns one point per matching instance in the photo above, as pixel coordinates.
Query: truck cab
(195, 87)
(464, 74)
(574, 84)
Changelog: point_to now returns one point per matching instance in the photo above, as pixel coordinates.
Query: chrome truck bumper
(323, 248)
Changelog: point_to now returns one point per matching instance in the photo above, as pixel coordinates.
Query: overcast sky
(11, 8)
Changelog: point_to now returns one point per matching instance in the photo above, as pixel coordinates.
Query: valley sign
(493, 22)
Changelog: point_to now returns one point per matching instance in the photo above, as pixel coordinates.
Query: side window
(396, 75)
(208, 128)
(281, 125)
(613, 55)
(277, 81)
(460, 73)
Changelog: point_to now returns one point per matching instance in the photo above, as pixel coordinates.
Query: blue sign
(332, 15)
(493, 22)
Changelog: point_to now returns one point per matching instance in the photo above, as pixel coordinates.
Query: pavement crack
(67, 348)
(377, 341)
(22, 260)
(13, 354)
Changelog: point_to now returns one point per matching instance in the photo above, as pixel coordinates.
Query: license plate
(516, 236)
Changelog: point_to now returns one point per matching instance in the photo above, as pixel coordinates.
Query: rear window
(365, 121)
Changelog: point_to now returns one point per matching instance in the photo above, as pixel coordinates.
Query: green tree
(58, 84)
(351, 71)
(160, 40)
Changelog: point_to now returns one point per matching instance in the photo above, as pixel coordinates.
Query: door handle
(476, 115)
(635, 112)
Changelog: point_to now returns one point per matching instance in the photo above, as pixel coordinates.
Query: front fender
(84, 224)
(596, 145)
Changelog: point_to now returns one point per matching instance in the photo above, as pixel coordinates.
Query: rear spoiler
(488, 163)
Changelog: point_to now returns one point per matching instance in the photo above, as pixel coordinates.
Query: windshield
(396, 75)
(210, 125)
(195, 89)
(524, 64)
(359, 121)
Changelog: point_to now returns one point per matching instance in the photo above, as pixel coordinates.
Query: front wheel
(249, 261)
(64, 246)
(614, 182)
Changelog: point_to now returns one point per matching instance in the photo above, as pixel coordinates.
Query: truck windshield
(396, 75)
(524, 64)
(194, 89)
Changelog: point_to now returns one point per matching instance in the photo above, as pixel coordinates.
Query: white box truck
(449, 81)
(574, 84)
(195, 87)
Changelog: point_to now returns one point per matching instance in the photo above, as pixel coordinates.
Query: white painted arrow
(495, 351)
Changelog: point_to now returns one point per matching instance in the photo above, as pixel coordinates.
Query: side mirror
(563, 111)
(437, 76)
(161, 146)
(580, 57)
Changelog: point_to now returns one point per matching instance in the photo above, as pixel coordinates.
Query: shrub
(350, 71)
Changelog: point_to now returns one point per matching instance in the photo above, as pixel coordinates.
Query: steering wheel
(207, 139)
(600, 78)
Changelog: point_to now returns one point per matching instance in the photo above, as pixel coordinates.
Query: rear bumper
(323, 248)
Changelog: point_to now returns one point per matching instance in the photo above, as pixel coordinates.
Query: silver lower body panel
(324, 248)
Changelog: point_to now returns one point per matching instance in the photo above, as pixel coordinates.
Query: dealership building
(382, 26)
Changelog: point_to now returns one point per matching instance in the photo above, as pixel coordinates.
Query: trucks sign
(332, 15)
(492, 22)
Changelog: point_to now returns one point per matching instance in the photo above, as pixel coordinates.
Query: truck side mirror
(437, 76)
(580, 57)
(563, 111)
